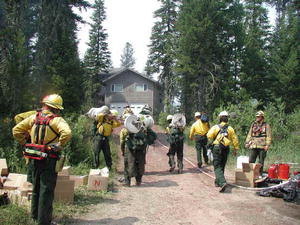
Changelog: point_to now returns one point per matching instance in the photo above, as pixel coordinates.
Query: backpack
(151, 136)
(41, 151)
(175, 136)
(222, 136)
(204, 118)
(136, 141)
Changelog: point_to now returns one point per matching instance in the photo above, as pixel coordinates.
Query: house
(128, 87)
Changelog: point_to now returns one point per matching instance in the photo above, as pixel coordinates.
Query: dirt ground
(186, 199)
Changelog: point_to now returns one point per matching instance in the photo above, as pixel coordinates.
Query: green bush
(80, 148)
(162, 119)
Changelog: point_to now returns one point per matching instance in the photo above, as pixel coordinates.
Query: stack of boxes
(20, 190)
(247, 176)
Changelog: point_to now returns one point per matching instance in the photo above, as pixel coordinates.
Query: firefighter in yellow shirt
(198, 133)
(107, 121)
(49, 133)
(222, 135)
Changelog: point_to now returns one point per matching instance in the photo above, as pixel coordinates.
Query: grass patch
(83, 201)
(15, 215)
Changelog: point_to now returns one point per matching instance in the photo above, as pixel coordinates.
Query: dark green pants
(220, 154)
(134, 164)
(102, 143)
(176, 149)
(261, 154)
(201, 142)
(44, 181)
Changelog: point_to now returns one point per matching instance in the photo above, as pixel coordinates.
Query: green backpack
(136, 141)
(176, 135)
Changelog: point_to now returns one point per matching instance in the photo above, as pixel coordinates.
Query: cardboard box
(79, 180)
(247, 176)
(252, 167)
(65, 171)
(94, 172)
(3, 167)
(97, 183)
(64, 191)
(62, 177)
(14, 181)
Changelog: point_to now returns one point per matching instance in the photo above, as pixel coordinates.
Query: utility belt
(39, 152)
(199, 137)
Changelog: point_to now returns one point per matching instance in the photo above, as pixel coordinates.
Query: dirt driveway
(186, 199)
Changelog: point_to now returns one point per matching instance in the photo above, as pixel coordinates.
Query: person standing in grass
(222, 135)
(259, 139)
(49, 132)
(198, 133)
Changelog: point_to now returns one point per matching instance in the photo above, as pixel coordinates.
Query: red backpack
(43, 150)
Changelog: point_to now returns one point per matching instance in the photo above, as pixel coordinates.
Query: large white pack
(93, 112)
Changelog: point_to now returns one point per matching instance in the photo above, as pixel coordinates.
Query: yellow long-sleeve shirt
(105, 124)
(58, 124)
(199, 128)
(21, 116)
(214, 133)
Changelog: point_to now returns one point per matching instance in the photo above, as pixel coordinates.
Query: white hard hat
(197, 114)
(223, 113)
(169, 117)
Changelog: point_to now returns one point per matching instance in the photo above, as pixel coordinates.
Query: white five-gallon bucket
(240, 160)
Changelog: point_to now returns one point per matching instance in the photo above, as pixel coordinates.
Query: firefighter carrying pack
(41, 150)
(175, 136)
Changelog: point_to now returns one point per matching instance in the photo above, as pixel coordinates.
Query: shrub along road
(185, 199)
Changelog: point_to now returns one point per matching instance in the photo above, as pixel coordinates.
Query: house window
(117, 88)
(141, 87)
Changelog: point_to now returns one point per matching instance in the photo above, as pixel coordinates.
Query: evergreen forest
(208, 55)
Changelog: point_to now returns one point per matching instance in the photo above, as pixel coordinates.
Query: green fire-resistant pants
(261, 153)
(220, 154)
(201, 142)
(102, 143)
(134, 164)
(176, 148)
(44, 181)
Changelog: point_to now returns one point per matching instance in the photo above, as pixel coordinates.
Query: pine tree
(58, 67)
(162, 49)
(97, 58)
(127, 59)
(15, 55)
(255, 76)
(285, 57)
(210, 42)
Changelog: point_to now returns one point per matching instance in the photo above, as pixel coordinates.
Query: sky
(126, 21)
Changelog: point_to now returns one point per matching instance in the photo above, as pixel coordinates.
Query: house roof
(117, 71)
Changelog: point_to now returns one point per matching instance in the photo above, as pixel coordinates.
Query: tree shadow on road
(108, 221)
(160, 183)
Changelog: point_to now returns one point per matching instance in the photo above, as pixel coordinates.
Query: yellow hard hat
(55, 101)
(260, 113)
